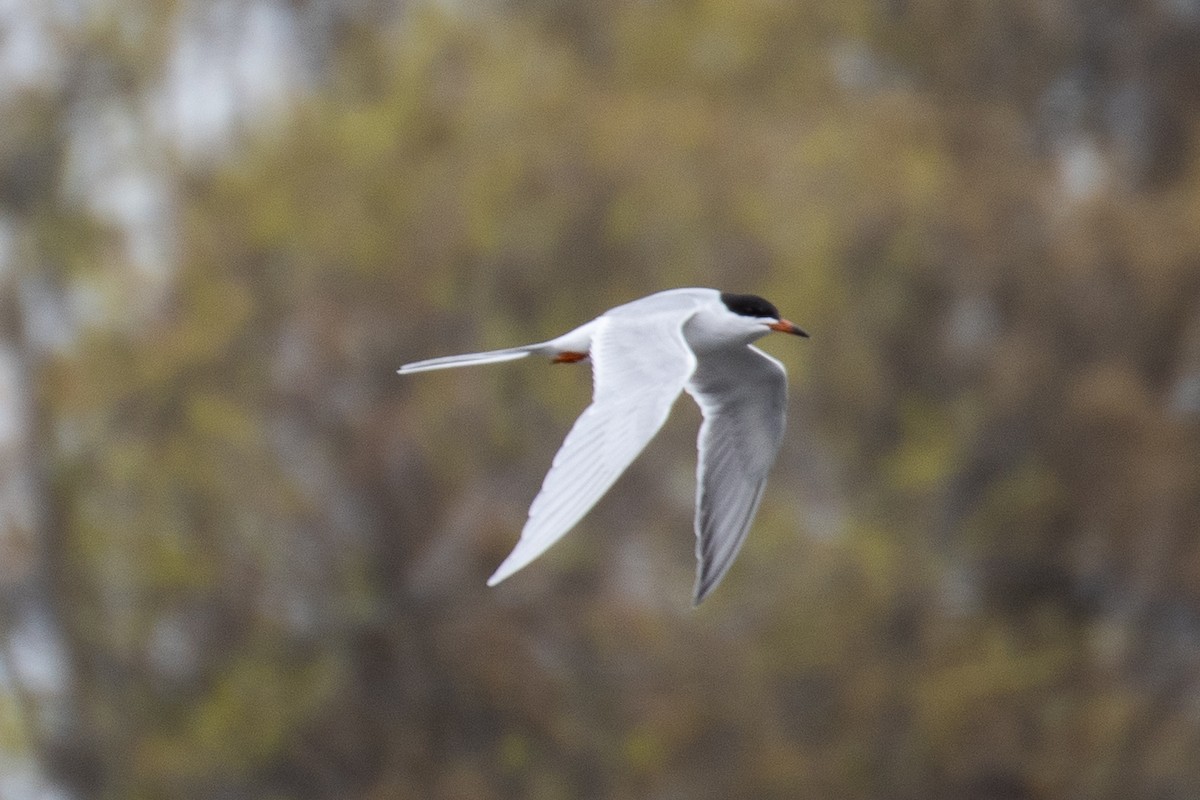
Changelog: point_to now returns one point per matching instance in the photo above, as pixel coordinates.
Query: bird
(644, 354)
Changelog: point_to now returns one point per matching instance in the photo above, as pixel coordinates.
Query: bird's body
(644, 353)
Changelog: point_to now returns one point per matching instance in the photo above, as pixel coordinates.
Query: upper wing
(639, 366)
(742, 394)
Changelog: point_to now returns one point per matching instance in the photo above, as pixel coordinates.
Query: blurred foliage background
(241, 558)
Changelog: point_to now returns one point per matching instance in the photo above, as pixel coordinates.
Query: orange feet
(569, 357)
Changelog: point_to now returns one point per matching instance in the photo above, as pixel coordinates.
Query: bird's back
(680, 300)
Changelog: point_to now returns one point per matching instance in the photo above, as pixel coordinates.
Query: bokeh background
(241, 558)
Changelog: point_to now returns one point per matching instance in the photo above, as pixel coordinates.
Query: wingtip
(505, 570)
(497, 576)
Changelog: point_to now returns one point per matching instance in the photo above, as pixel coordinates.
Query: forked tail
(470, 359)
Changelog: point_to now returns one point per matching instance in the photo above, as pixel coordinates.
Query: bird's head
(759, 312)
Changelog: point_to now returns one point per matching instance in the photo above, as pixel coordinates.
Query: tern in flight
(643, 354)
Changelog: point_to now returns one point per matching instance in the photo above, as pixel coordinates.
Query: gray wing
(742, 394)
(639, 366)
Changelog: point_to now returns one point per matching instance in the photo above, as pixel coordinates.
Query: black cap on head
(749, 305)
